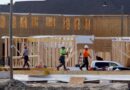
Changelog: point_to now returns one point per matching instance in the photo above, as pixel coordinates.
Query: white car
(101, 65)
(107, 65)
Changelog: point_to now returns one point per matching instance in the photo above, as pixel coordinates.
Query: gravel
(17, 85)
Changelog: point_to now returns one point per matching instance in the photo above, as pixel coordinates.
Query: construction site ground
(44, 71)
(24, 74)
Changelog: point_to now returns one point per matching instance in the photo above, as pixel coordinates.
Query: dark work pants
(85, 63)
(62, 62)
(26, 59)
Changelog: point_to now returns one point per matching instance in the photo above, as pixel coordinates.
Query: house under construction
(102, 19)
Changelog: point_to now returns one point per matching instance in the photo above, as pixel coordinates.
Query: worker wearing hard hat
(85, 57)
(63, 52)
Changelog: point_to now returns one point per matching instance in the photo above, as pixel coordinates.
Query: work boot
(57, 68)
(67, 69)
(80, 68)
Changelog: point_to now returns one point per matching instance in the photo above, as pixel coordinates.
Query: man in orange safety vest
(85, 57)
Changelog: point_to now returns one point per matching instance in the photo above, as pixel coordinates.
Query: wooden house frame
(43, 50)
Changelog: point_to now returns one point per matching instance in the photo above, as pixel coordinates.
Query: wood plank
(77, 80)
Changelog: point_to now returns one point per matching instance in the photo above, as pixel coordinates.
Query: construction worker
(25, 56)
(63, 52)
(85, 57)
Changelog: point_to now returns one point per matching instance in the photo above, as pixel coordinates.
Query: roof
(4, 8)
(78, 7)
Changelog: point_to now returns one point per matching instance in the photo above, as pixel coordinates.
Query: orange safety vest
(85, 53)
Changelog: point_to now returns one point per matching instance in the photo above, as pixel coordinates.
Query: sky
(7, 1)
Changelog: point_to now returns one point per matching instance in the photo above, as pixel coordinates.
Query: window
(76, 23)
(66, 23)
(23, 22)
(87, 24)
(102, 64)
(2, 21)
(34, 22)
(50, 22)
(113, 64)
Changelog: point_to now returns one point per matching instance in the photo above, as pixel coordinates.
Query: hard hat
(86, 46)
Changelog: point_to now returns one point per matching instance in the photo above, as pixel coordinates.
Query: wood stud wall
(42, 51)
(45, 51)
(121, 52)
